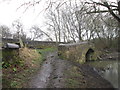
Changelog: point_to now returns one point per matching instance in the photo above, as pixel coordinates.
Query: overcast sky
(9, 13)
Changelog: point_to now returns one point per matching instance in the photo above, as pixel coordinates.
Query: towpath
(52, 75)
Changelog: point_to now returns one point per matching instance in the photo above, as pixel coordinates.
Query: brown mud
(57, 73)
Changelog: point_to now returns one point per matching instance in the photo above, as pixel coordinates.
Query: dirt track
(52, 75)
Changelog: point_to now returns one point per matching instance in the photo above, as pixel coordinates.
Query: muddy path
(52, 75)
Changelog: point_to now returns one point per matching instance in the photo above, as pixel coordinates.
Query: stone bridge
(33, 44)
(78, 52)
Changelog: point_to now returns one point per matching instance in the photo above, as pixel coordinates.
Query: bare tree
(38, 33)
(75, 20)
(54, 23)
(5, 32)
(66, 23)
(19, 29)
(112, 8)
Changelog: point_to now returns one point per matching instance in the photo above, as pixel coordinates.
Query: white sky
(9, 13)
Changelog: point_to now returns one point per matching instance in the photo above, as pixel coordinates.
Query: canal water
(107, 69)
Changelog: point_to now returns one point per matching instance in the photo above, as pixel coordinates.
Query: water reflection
(111, 74)
(109, 70)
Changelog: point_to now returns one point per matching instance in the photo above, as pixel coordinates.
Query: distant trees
(108, 28)
(65, 22)
(75, 21)
(37, 33)
(105, 28)
(5, 31)
(19, 30)
(16, 32)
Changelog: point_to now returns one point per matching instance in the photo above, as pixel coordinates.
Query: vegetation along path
(57, 73)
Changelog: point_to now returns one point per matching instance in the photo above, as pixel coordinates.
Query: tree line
(75, 21)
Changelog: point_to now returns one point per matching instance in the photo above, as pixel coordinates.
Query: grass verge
(16, 75)
(45, 51)
(74, 78)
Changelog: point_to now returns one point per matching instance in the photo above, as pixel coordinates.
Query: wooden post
(21, 43)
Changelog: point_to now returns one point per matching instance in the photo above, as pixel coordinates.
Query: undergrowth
(19, 67)
(74, 78)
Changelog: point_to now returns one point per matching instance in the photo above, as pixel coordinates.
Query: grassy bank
(74, 78)
(45, 51)
(18, 69)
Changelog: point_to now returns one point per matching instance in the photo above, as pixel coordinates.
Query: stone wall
(32, 44)
(77, 52)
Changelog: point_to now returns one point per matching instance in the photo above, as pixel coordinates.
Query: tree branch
(105, 4)
(104, 11)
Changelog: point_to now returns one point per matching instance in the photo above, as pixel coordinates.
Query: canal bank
(108, 68)
(58, 73)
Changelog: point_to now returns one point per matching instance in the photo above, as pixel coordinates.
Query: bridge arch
(89, 54)
(80, 52)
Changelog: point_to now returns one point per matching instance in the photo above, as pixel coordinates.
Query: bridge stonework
(33, 44)
(80, 52)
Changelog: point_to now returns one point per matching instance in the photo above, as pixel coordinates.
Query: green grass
(20, 79)
(45, 51)
(72, 83)
(74, 78)
(10, 57)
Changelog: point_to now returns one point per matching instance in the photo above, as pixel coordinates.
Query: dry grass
(21, 64)
(24, 62)
(29, 56)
